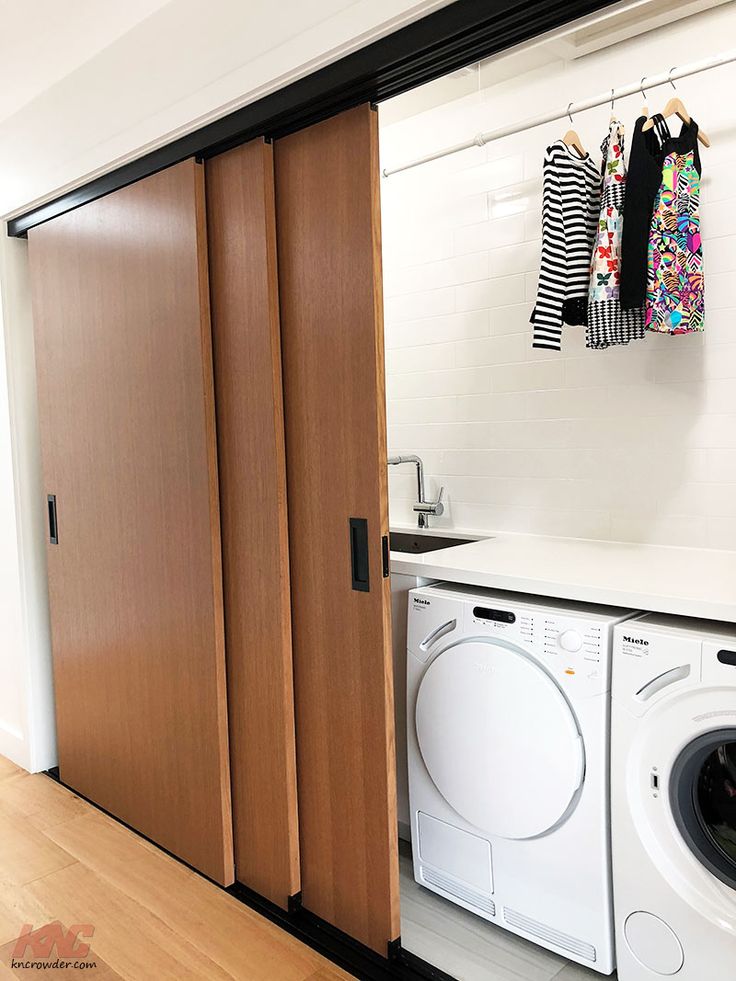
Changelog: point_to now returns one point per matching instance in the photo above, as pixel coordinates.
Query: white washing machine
(673, 790)
(508, 730)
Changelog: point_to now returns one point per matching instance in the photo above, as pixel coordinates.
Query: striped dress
(570, 208)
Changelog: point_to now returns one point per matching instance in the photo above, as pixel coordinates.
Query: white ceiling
(42, 41)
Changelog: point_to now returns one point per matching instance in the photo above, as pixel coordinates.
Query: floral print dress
(675, 302)
(608, 323)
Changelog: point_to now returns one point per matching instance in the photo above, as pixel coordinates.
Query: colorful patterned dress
(608, 323)
(675, 302)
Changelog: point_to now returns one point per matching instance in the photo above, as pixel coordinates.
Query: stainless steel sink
(405, 541)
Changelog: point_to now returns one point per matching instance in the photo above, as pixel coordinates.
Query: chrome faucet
(422, 508)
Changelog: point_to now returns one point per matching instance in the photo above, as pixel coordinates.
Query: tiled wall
(630, 444)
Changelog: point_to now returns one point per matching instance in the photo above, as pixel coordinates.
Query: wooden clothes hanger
(676, 107)
(572, 139)
(645, 107)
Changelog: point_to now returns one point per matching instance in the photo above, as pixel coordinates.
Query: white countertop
(663, 579)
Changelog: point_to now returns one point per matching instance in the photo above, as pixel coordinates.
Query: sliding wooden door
(250, 425)
(123, 350)
(327, 209)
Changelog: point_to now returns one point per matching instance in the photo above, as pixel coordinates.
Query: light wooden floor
(62, 860)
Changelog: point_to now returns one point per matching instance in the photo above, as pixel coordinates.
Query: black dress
(644, 177)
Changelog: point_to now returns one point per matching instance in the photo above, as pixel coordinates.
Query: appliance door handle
(437, 634)
(580, 771)
(662, 681)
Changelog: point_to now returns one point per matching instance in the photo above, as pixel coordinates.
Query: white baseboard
(14, 747)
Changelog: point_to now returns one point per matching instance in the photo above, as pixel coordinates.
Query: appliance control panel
(574, 647)
(575, 650)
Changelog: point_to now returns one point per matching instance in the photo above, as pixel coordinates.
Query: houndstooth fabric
(608, 323)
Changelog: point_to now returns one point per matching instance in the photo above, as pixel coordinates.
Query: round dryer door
(499, 739)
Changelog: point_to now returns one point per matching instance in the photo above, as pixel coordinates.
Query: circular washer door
(499, 739)
(703, 800)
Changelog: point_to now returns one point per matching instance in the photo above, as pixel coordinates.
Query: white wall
(183, 65)
(26, 688)
(631, 444)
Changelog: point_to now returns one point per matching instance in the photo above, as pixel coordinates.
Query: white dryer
(508, 732)
(673, 789)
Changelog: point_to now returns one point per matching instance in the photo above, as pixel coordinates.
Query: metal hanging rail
(647, 82)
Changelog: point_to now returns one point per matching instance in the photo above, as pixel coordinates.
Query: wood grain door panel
(250, 427)
(328, 232)
(124, 363)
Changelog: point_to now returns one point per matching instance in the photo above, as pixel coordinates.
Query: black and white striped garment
(570, 207)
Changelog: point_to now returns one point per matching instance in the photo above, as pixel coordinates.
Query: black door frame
(464, 32)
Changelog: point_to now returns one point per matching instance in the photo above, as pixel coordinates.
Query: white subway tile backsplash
(721, 465)
(514, 259)
(659, 529)
(502, 172)
(490, 408)
(722, 326)
(438, 409)
(722, 533)
(635, 443)
(581, 523)
(566, 403)
(433, 275)
(533, 227)
(501, 349)
(489, 234)
(609, 367)
(491, 293)
(720, 256)
(453, 381)
(423, 357)
(512, 319)
(434, 330)
(528, 377)
(719, 292)
(410, 306)
(718, 219)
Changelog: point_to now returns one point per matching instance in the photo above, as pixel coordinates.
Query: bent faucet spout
(422, 508)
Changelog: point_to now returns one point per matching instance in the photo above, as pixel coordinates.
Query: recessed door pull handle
(359, 554)
(53, 520)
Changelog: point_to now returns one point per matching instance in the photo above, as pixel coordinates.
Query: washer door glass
(499, 738)
(703, 796)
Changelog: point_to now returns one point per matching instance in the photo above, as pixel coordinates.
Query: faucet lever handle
(431, 507)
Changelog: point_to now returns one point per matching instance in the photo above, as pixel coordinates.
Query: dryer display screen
(498, 616)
